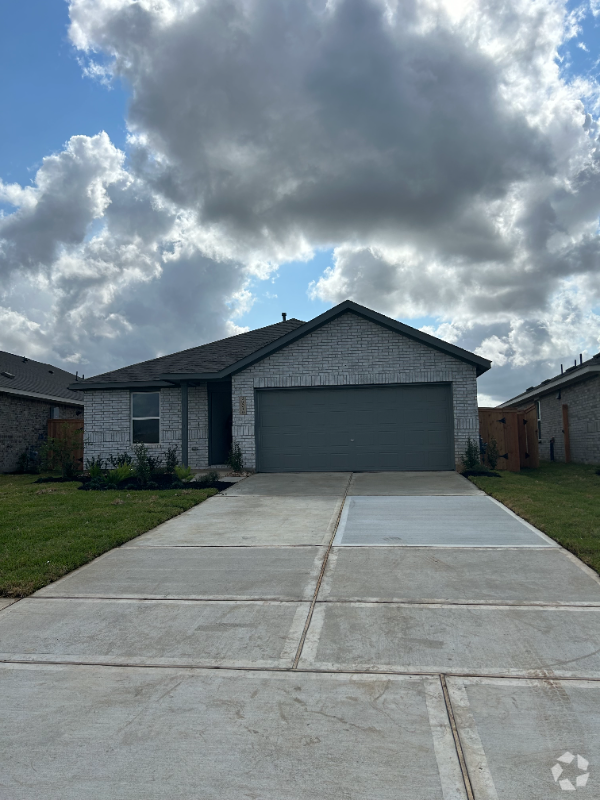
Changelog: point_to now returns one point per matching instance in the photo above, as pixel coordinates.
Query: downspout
(184, 423)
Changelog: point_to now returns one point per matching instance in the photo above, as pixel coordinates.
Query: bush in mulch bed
(161, 482)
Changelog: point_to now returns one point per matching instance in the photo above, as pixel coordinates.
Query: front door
(219, 422)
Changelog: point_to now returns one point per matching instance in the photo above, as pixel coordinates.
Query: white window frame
(132, 418)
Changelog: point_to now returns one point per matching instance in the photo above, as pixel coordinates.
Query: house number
(243, 407)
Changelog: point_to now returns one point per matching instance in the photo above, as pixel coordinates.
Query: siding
(24, 424)
(108, 423)
(583, 400)
(351, 350)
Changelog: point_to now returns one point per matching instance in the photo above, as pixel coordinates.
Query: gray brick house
(349, 390)
(31, 393)
(568, 410)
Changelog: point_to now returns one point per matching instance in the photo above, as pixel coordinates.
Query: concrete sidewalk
(376, 636)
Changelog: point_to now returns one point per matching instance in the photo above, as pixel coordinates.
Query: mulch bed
(160, 482)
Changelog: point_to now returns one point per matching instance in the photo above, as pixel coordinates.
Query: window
(538, 406)
(145, 417)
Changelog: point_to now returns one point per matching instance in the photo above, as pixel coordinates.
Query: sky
(176, 171)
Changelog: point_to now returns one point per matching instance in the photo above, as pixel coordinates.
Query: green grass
(47, 530)
(563, 500)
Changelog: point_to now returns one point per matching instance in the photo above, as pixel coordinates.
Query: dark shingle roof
(211, 357)
(570, 375)
(35, 378)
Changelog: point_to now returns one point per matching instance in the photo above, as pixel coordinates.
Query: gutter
(557, 383)
(38, 396)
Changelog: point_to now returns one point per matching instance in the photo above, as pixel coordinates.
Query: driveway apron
(368, 636)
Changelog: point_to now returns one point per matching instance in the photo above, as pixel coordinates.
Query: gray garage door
(354, 429)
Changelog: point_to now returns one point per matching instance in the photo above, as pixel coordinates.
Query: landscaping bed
(562, 500)
(50, 529)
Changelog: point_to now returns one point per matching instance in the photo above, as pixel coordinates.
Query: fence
(60, 428)
(516, 434)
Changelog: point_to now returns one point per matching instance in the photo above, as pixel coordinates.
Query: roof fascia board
(548, 388)
(86, 387)
(38, 396)
(482, 364)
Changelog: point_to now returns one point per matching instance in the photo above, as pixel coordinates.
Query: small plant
(235, 460)
(29, 462)
(120, 460)
(212, 476)
(118, 474)
(183, 473)
(470, 459)
(154, 462)
(492, 453)
(171, 460)
(142, 464)
(95, 467)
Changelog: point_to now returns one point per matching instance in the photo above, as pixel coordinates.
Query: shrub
(183, 473)
(470, 459)
(95, 467)
(118, 474)
(29, 461)
(171, 460)
(142, 464)
(120, 460)
(492, 453)
(235, 460)
(212, 476)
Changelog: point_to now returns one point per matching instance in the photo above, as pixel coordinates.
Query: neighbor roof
(23, 376)
(223, 358)
(578, 372)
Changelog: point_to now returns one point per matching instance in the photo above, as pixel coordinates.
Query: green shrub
(95, 467)
(120, 460)
(492, 453)
(235, 460)
(183, 473)
(212, 476)
(470, 459)
(171, 460)
(142, 464)
(57, 453)
(118, 474)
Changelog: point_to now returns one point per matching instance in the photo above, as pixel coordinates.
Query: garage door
(355, 429)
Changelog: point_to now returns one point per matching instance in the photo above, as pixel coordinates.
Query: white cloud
(434, 144)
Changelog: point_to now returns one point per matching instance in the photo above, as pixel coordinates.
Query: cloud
(435, 145)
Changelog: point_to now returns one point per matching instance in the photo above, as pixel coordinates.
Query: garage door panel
(355, 428)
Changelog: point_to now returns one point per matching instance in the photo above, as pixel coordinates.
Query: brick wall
(583, 400)
(23, 423)
(351, 350)
(108, 423)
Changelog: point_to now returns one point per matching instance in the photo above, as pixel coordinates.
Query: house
(31, 393)
(350, 390)
(568, 412)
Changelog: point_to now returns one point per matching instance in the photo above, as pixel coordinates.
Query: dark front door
(409, 427)
(219, 422)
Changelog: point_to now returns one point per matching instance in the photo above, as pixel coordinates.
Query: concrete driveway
(392, 636)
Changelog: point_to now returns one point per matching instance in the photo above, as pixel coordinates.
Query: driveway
(368, 636)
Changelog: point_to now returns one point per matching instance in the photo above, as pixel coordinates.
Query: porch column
(184, 423)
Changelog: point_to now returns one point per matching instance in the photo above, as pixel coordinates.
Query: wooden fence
(59, 428)
(515, 433)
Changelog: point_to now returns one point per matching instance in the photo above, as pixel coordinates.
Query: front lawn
(47, 530)
(563, 500)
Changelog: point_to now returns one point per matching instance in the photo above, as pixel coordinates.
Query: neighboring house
(568, 411)
(31, 393)
(350, 390)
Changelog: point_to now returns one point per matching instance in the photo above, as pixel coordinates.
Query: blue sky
(46, 100)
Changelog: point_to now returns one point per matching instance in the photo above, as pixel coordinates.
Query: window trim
(132, 418)
(538, 404)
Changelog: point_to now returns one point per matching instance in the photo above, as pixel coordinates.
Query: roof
(23, 376)
(207, 358)
(575, 374)
(221, 359)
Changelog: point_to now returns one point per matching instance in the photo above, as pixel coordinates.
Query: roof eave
(86, 387)
(71, 401)
(548, 388)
